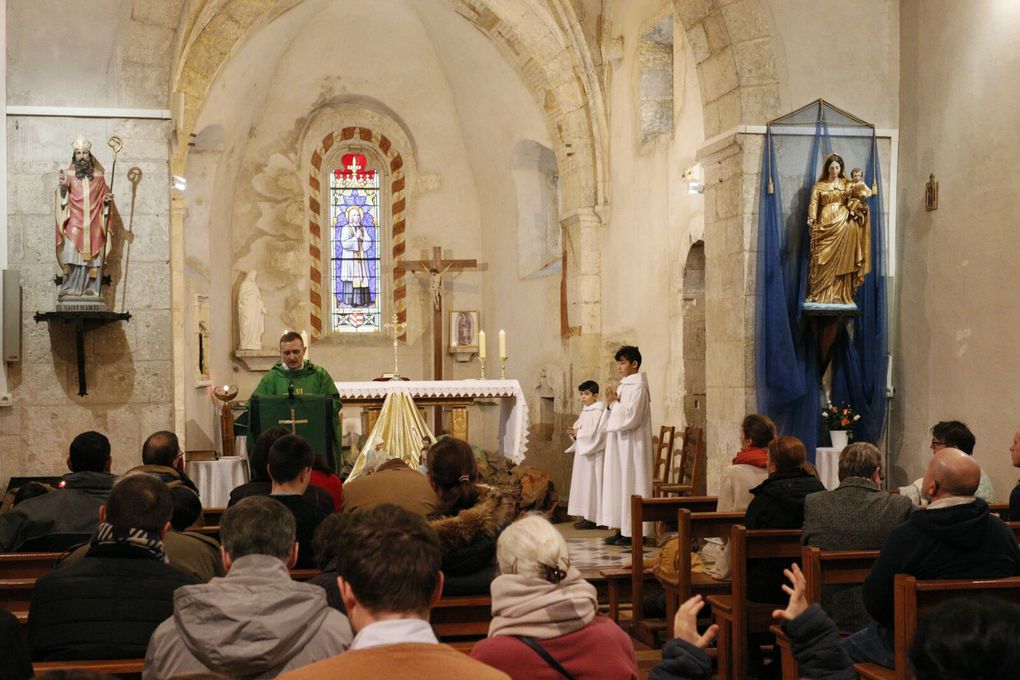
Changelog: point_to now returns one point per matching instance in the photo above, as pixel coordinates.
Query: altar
(458, 395)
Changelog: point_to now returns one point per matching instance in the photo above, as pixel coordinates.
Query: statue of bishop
(82, 209)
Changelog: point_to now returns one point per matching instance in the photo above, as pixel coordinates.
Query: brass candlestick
(481, 361)
(225, 393)
(502, 368)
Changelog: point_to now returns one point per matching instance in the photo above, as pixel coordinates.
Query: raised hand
(798, 601)
(685, 624)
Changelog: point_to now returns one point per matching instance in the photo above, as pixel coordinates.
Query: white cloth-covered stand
(215, 479)
(827, 464)
(513, 416)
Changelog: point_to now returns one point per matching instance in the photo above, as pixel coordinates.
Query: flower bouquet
(840, 419)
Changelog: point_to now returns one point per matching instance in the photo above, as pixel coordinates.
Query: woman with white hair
(544, 615)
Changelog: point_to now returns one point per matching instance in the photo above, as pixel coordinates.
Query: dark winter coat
(778, 503)
(959, 541)
(69, 510)
(104, 607)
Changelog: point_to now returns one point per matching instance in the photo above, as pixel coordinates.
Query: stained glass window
(354, 199)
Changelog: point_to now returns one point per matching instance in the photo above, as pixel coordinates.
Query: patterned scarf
(526, 605)
(150, 541)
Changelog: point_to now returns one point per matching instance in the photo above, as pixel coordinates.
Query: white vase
(840, 438)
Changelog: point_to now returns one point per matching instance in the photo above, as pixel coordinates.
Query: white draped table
(827, 464)
(513, 420)
(215, 479)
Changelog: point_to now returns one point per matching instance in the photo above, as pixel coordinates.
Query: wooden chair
(692, 528)
(736, 615)
(663, 462)
(823, 568)
(913, 599)
(692, 456)
(645, 510)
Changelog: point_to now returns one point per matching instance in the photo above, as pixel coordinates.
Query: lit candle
(502, 344)
(481, 345)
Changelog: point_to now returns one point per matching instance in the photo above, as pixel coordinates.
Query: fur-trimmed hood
(493, 512)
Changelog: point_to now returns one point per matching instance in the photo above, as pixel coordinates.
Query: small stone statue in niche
(840, 235)
(250, 313)
(82, 211)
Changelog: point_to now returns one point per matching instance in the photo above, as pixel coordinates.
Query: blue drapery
(789, 387)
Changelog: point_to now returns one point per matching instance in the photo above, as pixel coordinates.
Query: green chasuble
(309, 379)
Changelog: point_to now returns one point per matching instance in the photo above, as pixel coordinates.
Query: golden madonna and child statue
(840, 228)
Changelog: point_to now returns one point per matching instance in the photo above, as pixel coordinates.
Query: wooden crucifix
(435, 268)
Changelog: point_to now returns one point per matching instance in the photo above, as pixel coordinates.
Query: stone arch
(398, 209)
(732, 46)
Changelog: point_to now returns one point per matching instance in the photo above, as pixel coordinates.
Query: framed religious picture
(463, 329)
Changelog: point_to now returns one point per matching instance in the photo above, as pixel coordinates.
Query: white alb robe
(628, 458)
(589, 452)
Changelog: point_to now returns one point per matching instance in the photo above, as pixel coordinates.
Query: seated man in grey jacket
(256, 622)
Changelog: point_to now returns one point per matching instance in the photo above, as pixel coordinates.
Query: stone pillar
(732, 169)
(5, 396)
(183, 375)
(582, 239)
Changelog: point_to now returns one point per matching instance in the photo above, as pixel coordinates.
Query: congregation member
(192, 553)
(257, 622)
(778, 503)
(955, 435)
(588, 435)
(28, 491)
(748, 469)
(327, 543)
(68, 515)
(1014, 496)
(389, 585)
(290, 467)
(390, 480)
(628, 457)
(955, 536)
(15, 658)
(545, 622)
(261, 484)
(469, 518)
(856, 515)
(108, 604)
(162, 456)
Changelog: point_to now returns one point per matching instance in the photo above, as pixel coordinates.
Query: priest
(293, 370)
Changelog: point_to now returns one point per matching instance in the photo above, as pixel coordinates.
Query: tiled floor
(588, 549)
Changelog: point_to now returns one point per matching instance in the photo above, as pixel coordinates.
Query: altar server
(628, 458)
(589, 447)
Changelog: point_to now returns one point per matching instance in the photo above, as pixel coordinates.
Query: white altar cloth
(513, 417)
(827, 464)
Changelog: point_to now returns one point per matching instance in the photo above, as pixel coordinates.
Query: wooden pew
(462, 616)
(913, 599)
(823, 568)
(212, 515)
(122, 668)
(693, 527)
(27, 564)
(736, 616)
(1000, 509)
(646, 510)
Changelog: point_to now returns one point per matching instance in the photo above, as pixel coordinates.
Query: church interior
(528, 184)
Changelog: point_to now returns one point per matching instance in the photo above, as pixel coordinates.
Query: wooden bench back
(212, 515)
(27, 564)
(654, 510)
(834, 567)
(746, 545)
(692, 528)
(914, 598)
